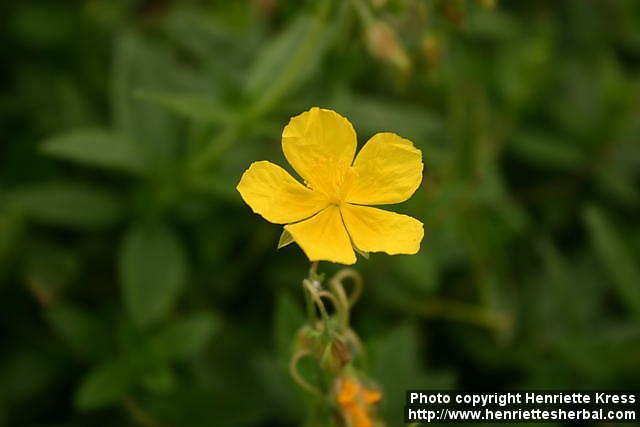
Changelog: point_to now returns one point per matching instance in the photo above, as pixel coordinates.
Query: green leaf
(153, 270)
(80, 329)
(285, 239)
(617, 184)
(615, 257)
(66, 204)
(276, 54)
(48, 268)
(203, 34)
(191, 106)
(289, 58)
(106, 385)
(547, 151)
(140, 65)
(160, 380)
(97, 147)
(186, 337)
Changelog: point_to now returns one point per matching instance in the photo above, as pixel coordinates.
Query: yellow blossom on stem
(328, 216)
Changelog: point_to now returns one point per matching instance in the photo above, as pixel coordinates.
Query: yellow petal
(377, 230)
(320, 145)
(323, 237)
(276, 195)
(388, 169)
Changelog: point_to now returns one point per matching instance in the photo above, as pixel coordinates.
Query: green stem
(316, 299)
(298, 378)
(338, 306)
(313, 270)
(342, 299)
(455, 310)
(443, 308)
(358, 283)
(311, 310)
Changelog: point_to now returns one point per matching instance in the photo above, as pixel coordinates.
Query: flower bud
(383, 44)
(308, 339)
(336, 355)
(488, 4)
(455, 11)
(356, 401)
(432, 49)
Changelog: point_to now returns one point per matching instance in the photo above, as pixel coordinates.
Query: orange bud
(355, 401)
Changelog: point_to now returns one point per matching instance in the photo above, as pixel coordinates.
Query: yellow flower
(327, 217)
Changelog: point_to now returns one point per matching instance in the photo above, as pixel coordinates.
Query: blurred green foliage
(137, 289)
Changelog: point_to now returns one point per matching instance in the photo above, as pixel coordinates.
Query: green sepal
(285, 239)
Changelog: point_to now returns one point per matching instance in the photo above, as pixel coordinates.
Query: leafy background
(137, 289)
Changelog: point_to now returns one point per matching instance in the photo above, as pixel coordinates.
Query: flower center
(335, 200)
(336, 186)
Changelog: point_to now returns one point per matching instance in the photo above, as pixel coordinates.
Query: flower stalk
(327, 341)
